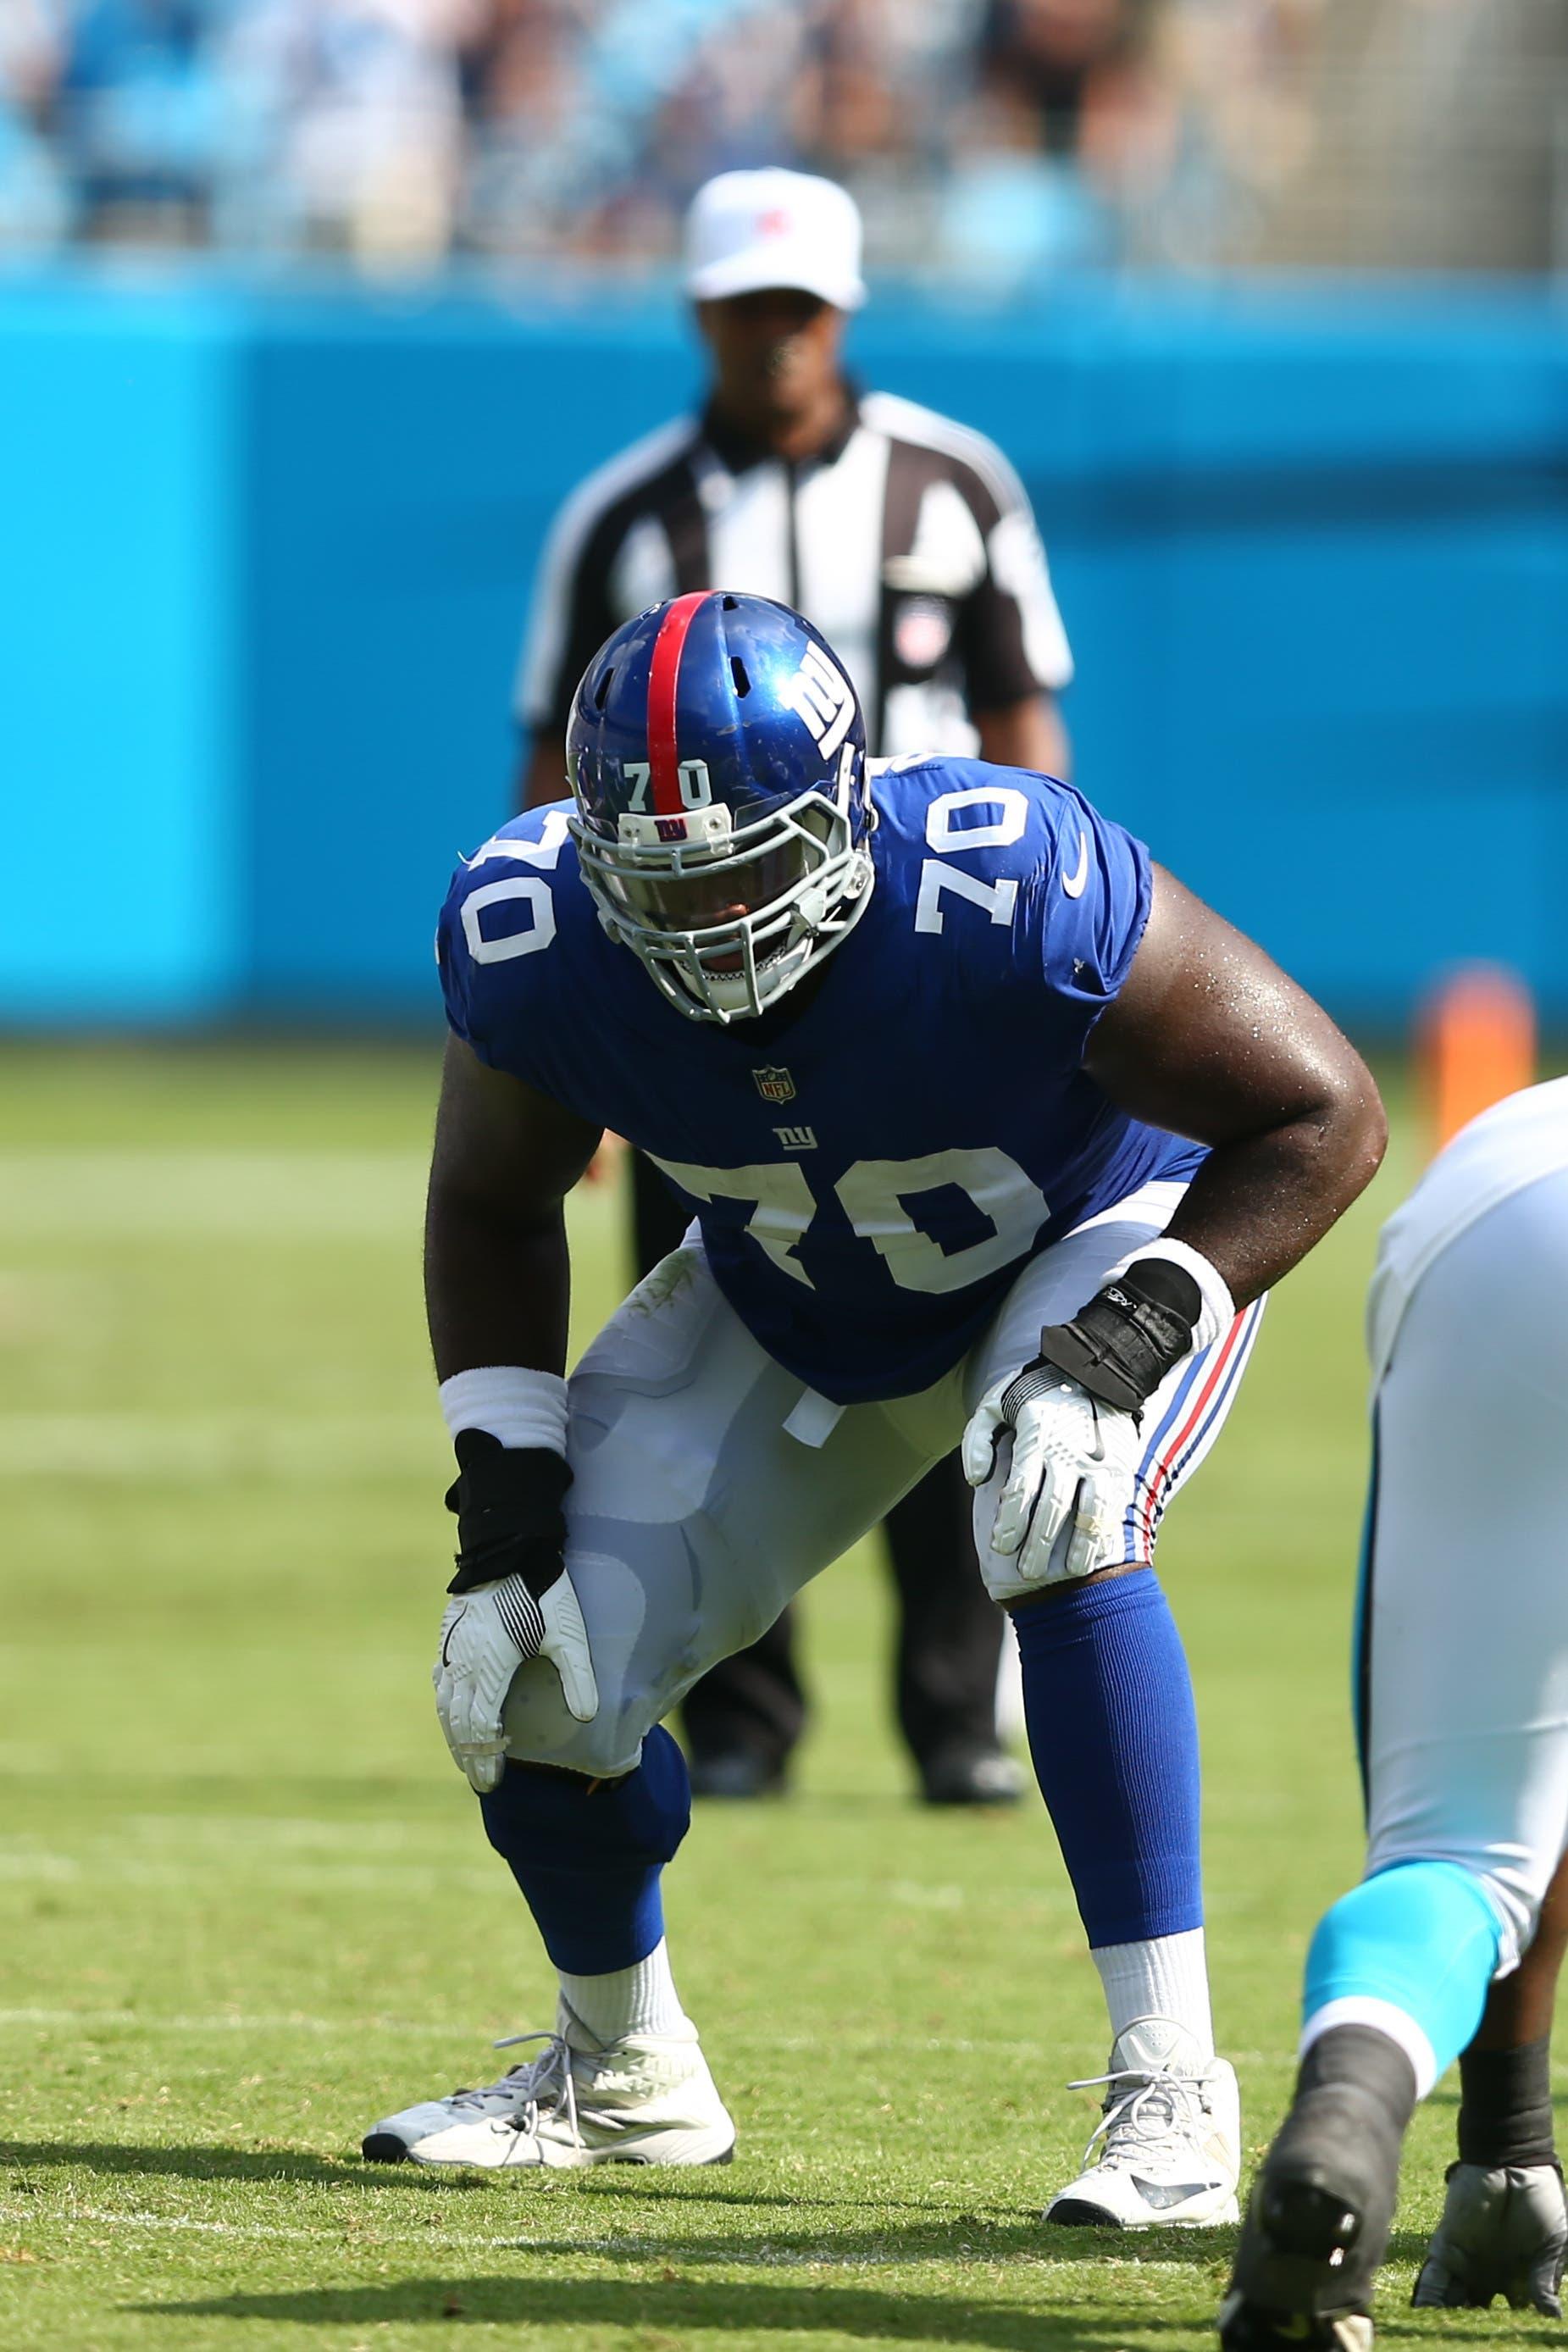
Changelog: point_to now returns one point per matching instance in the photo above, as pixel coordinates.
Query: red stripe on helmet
(662, 671)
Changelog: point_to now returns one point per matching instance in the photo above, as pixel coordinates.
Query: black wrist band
(1121, 1346)
(1505, 2107)
(510, 1517)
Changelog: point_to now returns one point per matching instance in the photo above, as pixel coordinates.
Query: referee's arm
(1010, 636)
(1025, 734)
(569, 619)
(541, 771)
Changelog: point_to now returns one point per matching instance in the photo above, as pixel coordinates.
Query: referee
(909, 541)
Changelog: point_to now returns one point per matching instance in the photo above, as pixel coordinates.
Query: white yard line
(345, 1877)
(98, 2020)
(448, 2241)
(656, 2247)
(729, 2038)
(194, 1448)
(210, 1195)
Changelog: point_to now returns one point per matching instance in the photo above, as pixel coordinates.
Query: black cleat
(1324, 2203)
(1316, 2227)
(1297, 2281)
(1503, 2231)
(970, 1776)
(736, 1775)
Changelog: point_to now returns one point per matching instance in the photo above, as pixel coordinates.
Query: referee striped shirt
(908, 541)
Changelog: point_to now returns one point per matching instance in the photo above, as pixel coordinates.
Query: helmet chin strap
(728, 993)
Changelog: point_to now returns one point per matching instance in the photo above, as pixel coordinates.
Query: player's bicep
(502, 1145)
(1207, 1037)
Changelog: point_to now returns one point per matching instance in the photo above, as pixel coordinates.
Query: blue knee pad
(588, 1855)
(1422, 1936)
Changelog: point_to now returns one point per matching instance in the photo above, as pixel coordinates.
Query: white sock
(638, 1999)
(1167, 1976)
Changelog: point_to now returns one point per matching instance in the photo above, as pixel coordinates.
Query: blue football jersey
(872, 1161)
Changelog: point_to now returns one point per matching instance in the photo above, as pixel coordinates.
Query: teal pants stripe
(1422, 1936)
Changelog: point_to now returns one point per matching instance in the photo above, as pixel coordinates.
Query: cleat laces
(1140, 2125)
(531, 2087)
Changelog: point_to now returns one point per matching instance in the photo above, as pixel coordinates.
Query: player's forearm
(1260, 1202)
(497, 1288)
(1210, 1038)
(1027, 734)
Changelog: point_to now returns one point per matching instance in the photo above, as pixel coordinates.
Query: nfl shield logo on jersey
(922, 632)
(775, 1086)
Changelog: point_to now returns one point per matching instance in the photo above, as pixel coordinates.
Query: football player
(1463, 1725)
(990, 1130)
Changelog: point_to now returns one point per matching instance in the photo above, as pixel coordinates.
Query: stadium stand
(995, 137)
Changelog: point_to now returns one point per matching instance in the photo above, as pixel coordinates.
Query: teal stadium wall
(264, 554)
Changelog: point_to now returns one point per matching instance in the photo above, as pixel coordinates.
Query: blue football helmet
(717, 752)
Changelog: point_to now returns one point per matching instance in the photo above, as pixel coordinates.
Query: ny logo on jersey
(774, 1085)
(822, 699)
(797, 1138)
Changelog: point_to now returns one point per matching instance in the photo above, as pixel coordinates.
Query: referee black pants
(949, 1632)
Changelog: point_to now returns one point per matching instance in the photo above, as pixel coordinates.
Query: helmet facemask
(728, 918)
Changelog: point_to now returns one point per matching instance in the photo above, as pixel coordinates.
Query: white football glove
(1074, 1459)
(486, 1634)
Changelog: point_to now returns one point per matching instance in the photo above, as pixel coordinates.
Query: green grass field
(248, 1907)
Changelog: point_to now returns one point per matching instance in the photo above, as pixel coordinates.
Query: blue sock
(588, 1855)
(1421, 1936)
(1113, 1736)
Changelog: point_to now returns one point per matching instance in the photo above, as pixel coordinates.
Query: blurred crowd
(996, 137)
(1011, 132)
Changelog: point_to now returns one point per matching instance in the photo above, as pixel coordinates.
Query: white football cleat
(645, 2099)
(1169, 2139)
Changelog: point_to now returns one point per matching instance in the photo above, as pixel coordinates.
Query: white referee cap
(747, 230)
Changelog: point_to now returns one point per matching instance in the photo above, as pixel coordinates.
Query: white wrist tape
(1218, 1307)
(521, 1407)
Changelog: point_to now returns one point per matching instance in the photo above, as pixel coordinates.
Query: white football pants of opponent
(1463, 1648)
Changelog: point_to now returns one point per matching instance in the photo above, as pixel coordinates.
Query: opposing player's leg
(1464, 1729)
(706, 1490)
(1113, 1737)
(1504, 2228)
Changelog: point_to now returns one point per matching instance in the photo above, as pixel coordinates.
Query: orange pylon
(1475, 1043)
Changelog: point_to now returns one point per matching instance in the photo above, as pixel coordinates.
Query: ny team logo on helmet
(717, 752)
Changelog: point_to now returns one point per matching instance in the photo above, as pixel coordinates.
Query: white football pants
(1463, 1651)
(709, 1486)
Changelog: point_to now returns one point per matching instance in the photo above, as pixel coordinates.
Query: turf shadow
(680, 2309)
(997, 2233)
(649, 2185)
(962, 2238)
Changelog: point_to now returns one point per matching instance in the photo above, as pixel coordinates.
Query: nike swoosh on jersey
(1073, 882)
